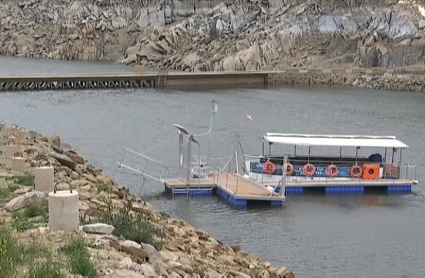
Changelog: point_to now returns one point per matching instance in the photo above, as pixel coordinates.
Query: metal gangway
(140, 163)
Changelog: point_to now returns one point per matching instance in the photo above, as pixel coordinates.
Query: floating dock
(231, 186)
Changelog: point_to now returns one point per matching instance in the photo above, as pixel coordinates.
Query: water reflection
(353, 202)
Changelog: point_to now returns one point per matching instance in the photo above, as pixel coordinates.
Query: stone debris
(407, 79)
(98, 228)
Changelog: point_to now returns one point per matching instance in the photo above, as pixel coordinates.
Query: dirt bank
(120, 236)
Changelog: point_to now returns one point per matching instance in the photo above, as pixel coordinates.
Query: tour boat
(304, 170)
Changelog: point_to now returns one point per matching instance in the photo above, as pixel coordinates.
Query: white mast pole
(213, 111)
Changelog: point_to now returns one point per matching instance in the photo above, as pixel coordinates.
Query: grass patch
(36, 210)
(26, 179)
(22, 225)
(25, 220)
(95, 246)
(13, 254)
(10, 253)
(132, 226)
(45, 269)
(7, 192)
(79, 258)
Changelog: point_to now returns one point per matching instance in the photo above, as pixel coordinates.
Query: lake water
(315, 236)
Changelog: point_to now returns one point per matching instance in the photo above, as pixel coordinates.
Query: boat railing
(408, 172)
(388, 171)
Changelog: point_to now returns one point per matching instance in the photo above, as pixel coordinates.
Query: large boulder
(29, 198)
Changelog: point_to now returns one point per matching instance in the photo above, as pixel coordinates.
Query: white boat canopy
(335, 140)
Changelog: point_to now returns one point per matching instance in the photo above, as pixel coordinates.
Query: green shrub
(79, 258)
(101, 186)
(132, 227)
(36, 210)
(22, 225)
(22, 219)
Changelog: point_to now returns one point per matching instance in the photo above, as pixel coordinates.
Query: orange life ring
(289, 169)
(390, 169)
(309, 169)
(356, 171)
(332, 171)
(269, 167)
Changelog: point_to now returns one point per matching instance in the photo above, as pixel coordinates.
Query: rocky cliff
(217, 35)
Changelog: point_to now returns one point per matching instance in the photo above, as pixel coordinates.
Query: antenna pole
(213, 111)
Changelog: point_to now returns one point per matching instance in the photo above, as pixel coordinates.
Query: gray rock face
(386, 24)
(196, 35)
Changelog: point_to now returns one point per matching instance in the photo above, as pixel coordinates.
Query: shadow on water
(368, 199)
(215, 88)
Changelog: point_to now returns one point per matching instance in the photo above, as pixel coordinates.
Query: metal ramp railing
(142, 164)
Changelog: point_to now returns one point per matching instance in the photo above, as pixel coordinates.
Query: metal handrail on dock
(146, 161)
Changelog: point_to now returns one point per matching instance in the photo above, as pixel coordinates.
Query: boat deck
(340, 182)
(233, 187)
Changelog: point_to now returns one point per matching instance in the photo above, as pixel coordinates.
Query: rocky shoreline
(165, 247)
(400, 79)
